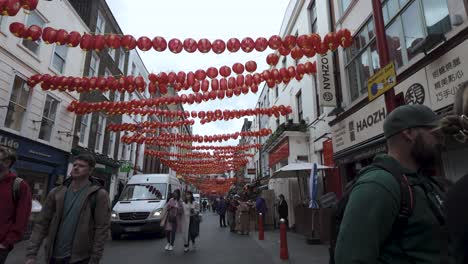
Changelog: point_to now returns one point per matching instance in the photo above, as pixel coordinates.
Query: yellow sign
(381, 82)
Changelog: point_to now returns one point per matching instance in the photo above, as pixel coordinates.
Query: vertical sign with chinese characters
(446, 74)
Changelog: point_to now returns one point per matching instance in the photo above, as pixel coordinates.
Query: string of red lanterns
(199, 155)
(12, 7)
(147, 124)
(307, 44)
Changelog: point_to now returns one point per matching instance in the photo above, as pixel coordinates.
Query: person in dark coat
(222, 207)
(283, 209)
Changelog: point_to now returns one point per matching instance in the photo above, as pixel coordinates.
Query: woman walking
(283, 209)
(173, 222)
(244, 212)
(190, 221)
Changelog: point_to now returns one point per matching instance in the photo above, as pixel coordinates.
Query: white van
(196, 197)
(141, 203)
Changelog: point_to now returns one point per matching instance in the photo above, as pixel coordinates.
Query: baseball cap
(409, 116)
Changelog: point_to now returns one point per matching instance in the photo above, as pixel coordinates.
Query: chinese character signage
(446, 74)
(382, 81)
(326, 80)
(414, 89)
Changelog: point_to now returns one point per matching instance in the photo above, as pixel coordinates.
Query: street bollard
(284, 255)
(261, 232)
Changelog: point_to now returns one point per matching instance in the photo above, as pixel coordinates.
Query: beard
(425, 155)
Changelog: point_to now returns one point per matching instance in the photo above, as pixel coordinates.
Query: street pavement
(215, 245)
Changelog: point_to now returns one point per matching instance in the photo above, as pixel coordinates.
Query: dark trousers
(222, 220)
(190, 238)
(170, 235)
(67, 261)
(3, 255)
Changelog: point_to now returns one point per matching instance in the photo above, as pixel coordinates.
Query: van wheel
(116, 236)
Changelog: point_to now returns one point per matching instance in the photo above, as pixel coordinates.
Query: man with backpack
(15, 204)
(75, 219)
(393, 213)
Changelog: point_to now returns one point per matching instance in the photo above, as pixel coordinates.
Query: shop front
(40, 165)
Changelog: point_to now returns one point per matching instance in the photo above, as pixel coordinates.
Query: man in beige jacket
(75, 219)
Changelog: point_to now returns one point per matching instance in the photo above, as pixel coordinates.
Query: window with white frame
(134, 70)
(116, 96)
(410, 22)
(362, 60)
(60, 57)
(100, 24)
(111, 52)
(84, 130)
(344, 4)
(18, 104)
(111, 149)
(48, 118)
(101, 128)
(300, 113)
(33, 19)
(121, 60)
(94, 65)
(313, 17)
(107, 73)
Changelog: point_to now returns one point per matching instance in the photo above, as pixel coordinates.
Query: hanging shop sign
(326, 80)
(361, 126)
(446, 74)
(382, 81)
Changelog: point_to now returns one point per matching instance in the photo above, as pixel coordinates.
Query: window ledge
(83, 145)
(55, 71)
(32, 54)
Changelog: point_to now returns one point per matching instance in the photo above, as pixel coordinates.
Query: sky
(211, 19)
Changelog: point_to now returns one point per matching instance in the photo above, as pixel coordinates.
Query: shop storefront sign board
(382, 81)
(279, 153)
(415, 89)
(366, 123)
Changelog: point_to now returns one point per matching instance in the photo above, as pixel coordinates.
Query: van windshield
(148, 191)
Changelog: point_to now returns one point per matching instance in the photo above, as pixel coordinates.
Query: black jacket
(283, 209)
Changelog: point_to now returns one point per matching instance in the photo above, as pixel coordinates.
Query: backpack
(406, 205)
(16, 190)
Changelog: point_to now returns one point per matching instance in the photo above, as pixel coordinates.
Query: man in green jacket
(75, 219)
(367, 233)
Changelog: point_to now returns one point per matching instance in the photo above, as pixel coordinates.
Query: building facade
(35, 122)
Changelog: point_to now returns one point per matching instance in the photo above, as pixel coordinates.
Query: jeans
(170, 235)
(3, 255)
(222, 220)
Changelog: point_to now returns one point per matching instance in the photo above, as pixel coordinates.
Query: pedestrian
(75, 219)
(393, 212)
(244, 216)
(204, 204)
(232, 208)
(455, 126)
(190, 221)
(15, 205)
(283, 209)
(173, 222)
(261, 207)
(215, 206)
(222, 207)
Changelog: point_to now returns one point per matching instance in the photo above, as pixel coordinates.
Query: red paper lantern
(144, 43)
(218, 46)
(261, 44)
(175, 46)
(159, 44)
(74, 39)
(61, 38)
(200, 75)
(331, 41)
(198, 98)
(322, 49)
(303, 42)
(315, 40)
(233, 45)
(171, 77)
(152, 88)
(196, 87)
(309, 53)
(213, 95)
(34, 33)
(238, 68)
(237, 91)
(48, 35)
(212, 72)
(180, 78)
(248, 44)
(344, 38)
(140, 83)
(128, 42)
(229, 93)
(300, 69)
(87, 41)
(248, 80)
(251, 66)
(240, 80)
(11, 7)
(221, 94)
(296, 53)
(223, 84)
(232, 82)
(291, 71)
(204, 45)
(245, 89)
(284, 51)
(289, 42)
(17, 29)
(272, 59)
(257, 78)
(254, 89)
(162, 88)
(214, 84)
(190, 45)
(275, 42)
(205, 84)
(29, 4)
(99, 43)
(190, 78)
(225, 71)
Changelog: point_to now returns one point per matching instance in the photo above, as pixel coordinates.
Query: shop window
(94, 65)
(18, 104)
(101, 126)
(100, 24)
(84, 130)
(48, 118)
(111, 148)
(410, 22)
(60, 58)
(362, 60)
(33, 19)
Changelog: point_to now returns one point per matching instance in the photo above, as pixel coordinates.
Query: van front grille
(134, 216)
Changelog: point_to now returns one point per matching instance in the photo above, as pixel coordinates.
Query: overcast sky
(211, 19)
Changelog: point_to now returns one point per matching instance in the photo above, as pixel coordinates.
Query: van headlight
(114, 216)
(157, 213)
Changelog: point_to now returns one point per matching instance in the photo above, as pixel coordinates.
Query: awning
(297, 169)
